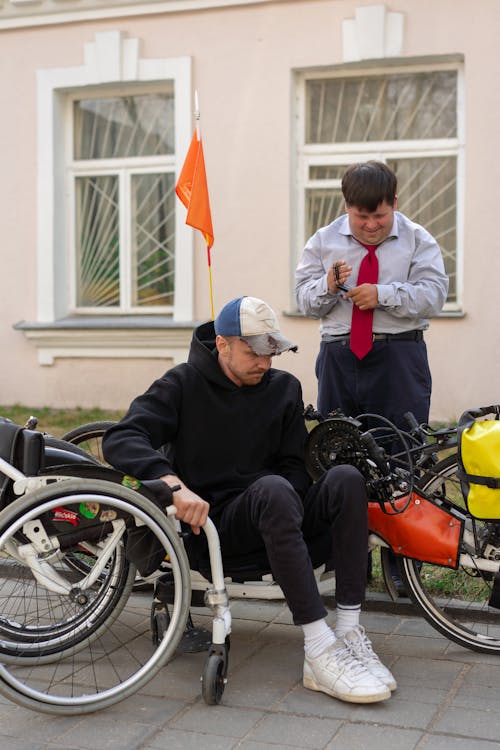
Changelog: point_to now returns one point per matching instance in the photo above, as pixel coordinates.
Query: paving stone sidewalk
(447, 697)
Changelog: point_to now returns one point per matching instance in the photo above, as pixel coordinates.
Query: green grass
(377, 578)
(57, 421)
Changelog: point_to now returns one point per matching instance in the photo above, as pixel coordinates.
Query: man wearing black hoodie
(235, 432)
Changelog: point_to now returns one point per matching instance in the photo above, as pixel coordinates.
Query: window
(115, 260)
(124, 190)
(409, 118)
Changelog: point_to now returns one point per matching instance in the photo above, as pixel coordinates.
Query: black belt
(403, 336)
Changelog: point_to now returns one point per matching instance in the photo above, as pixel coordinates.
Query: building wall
(243, 58)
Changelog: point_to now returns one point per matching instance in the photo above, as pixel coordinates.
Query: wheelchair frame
(39, 550)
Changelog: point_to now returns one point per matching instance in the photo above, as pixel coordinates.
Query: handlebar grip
(375, 452)
(410, 418)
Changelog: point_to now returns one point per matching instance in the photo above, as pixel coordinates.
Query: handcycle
(452, 573)
(108, 660)
(449, 561)
(417, 451)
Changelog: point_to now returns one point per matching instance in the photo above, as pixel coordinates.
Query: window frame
(124, 169)
(307, 155)
(112, 60)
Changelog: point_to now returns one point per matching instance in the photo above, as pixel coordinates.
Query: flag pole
(197, 115)
(209, 259)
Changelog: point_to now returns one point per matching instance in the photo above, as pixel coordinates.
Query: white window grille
(123, 170)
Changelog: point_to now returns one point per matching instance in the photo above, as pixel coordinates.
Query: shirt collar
(345, 228)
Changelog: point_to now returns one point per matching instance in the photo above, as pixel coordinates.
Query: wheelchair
(76, 632)
(74, 635)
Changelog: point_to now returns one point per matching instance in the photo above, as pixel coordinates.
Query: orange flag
(192, 189)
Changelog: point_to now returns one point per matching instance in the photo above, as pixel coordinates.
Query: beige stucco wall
(243, 59)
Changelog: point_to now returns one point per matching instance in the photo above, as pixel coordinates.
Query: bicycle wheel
(455, 602)
(88, 437)
(98, 655)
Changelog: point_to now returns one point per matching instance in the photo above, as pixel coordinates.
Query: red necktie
(362, 320)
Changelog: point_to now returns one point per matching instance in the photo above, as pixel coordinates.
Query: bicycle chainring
(338, 441)
(333, 442)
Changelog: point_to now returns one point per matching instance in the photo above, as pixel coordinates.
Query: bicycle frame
(424, 531)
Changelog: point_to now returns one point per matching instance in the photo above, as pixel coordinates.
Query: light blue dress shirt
(412, 285)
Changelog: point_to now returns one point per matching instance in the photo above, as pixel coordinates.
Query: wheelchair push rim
(116, 658)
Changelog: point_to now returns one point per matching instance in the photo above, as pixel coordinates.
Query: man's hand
(190, 507)
(364, 296)
(337, 275)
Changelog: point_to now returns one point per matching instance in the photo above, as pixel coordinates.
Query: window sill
(124, 336)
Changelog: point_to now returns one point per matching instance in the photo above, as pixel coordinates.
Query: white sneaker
(360, 646)
(340, 674)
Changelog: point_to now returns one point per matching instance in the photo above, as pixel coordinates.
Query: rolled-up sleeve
(311, 280)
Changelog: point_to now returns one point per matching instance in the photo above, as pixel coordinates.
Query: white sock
(347, 618)
(318, 636)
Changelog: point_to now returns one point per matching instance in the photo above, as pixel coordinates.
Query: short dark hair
(367, 184)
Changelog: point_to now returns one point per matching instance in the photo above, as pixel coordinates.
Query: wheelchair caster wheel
(160, 620)
(214, 680)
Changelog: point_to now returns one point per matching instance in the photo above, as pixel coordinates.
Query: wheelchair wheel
(39, 625)
(457, 602)
(88, 437)
(60, 548)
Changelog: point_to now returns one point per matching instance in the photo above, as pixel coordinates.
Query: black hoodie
(222, 436)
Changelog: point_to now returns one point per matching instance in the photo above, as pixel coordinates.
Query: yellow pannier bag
(479, 461)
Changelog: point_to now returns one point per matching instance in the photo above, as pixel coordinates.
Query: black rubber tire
(160, 621)
(213, 679)
(88, 437)
(455, 602)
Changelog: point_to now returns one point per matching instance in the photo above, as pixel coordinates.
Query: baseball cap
(252, 320)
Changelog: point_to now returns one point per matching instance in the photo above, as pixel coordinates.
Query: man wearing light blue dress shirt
(411, 287)
(394, 376)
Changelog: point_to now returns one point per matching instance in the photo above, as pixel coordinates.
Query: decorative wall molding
(111, 57)
(111, 342)
(21, 13)
(373, 33)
